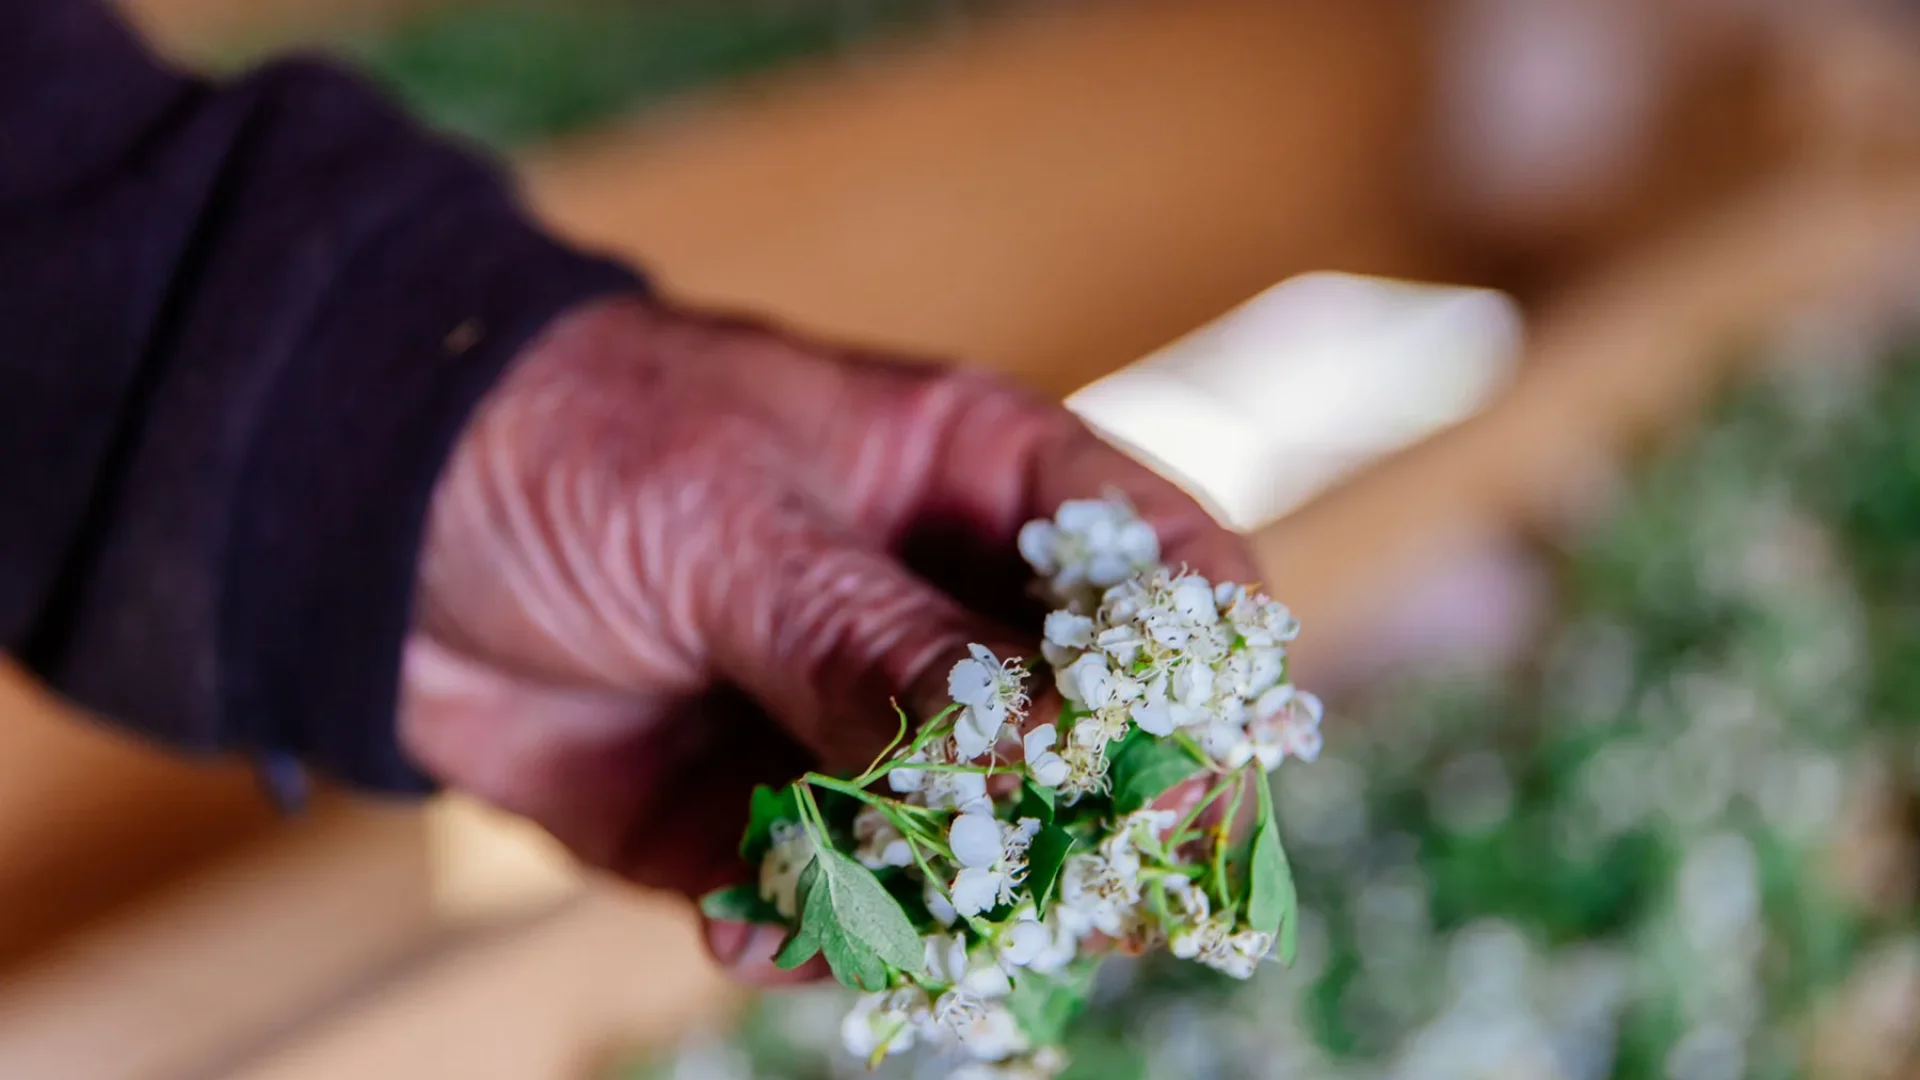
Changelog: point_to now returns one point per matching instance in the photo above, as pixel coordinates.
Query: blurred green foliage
(509, 71)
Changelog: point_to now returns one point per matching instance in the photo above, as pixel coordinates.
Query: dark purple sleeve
(240, 327)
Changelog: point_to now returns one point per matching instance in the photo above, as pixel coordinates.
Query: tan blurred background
(1054, 190)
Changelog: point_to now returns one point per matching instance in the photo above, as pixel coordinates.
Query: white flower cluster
(969, 1015)
(1215, 940)
(1176, 653)
(1023, 878)
(1090, 546)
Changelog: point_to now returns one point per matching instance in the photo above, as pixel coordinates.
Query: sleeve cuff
(331, 506)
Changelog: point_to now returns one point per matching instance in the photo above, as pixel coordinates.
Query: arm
(243, 324)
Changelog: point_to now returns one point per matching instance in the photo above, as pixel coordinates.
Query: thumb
(828, 634)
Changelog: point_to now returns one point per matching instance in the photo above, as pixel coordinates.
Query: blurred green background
(508, 72)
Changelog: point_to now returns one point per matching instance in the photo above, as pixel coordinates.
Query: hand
(675, 556)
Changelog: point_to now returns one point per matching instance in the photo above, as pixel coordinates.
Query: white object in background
(1305, 383)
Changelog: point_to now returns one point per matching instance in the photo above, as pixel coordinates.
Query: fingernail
(728, 940)
(758, 947)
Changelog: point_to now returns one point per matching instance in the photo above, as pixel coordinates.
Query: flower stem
(1186, 742)
(917, 838)
(980, 928)
(1222, 832)
(1179, 835)
(850, 790)
(866, 775)
(934, 728)
(816, 822)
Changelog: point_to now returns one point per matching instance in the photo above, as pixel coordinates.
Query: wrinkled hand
(675, 556)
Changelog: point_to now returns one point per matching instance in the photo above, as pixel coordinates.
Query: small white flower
(1274, 702)
(1086, 752)
(880, 844)
(965, 792)
(1122, 644)
(1192, 684)
(1159, 713)
(1286, 724)
(1086, 761)
(1202, 937)
(1022, 942)
(990, 692)
(1126, 602)
(1155, 717)
(975, 839)
(1168, 631)
(984, 679)
(939, 790)
(1192, 599)
(1251, 672)
(780, 870)
(1303, 743)
(937, 904)
(978, 974)
(1089, 546)
(1142, 828)
(993, 859)
(1261, 623)
(1187, 901)
(985, 1030)
(906, 781)
(1039, 544)
(1069, 631)
(1214, 942)
(1047, 768)
(977, 729)
(882, 1024)
(1229, 710)
(1090, 682)
(1099, 892)
(1091, 518)
(1058, 658)
(1096, 731)
(1221, 738)
(1247, 948)
(1045, 946)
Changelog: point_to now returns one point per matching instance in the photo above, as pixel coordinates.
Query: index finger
(1010, 458)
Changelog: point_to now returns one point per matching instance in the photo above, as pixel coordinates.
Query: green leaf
(804, 942)
(1144, 768)
(848, 915)
(768, 808)
(1044, 859)
(852, 962)
(868, 912)
(1271, 902)
(740, 904)
(799, 948)
(1045, 1005)
(1035, 802)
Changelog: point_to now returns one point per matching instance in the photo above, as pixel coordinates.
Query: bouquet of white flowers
(970, 879)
